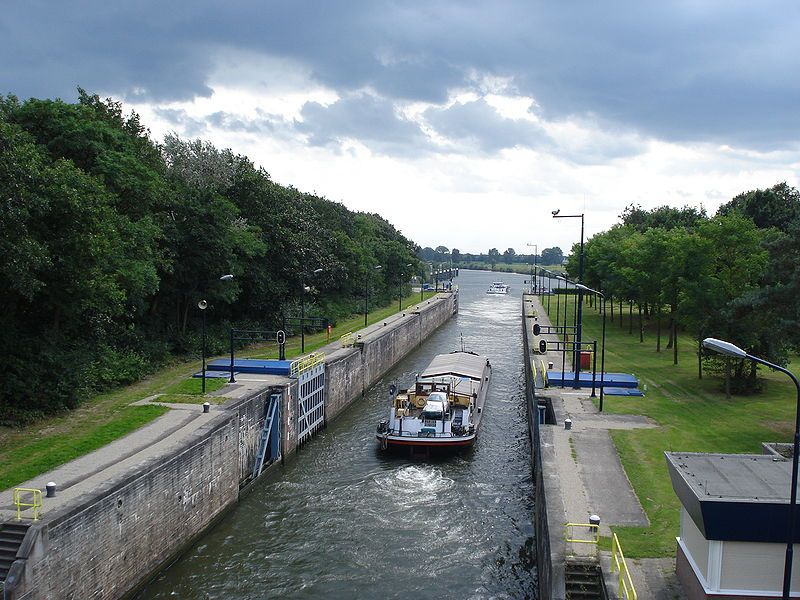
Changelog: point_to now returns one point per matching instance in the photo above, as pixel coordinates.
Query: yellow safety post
(618, 564)
(33, 500)
(347, 340)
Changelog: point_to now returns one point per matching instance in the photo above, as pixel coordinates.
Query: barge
(443, 410)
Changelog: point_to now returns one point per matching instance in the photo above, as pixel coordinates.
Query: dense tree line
(733, 276)
(441, 255)
(110, 239)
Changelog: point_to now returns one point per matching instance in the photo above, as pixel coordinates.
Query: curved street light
(732, 350)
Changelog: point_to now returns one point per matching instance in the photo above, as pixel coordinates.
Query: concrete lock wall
(106, 546)
(350, 372)
(119, 536)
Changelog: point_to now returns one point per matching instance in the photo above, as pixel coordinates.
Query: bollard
(550, 366)
(51, 490)
(567, 424)
(206, 407)
(594, 520)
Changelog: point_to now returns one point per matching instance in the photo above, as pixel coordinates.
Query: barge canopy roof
(457, 364)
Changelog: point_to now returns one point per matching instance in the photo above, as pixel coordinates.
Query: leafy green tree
(509, 255)
(552, 256)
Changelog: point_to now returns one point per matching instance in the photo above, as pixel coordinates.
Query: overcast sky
(463, 123)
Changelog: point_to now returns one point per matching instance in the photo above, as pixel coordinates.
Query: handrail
(347, 340)
(625, 582)
(35, 503)
(304, 363)
(595, 529)
(545, 378)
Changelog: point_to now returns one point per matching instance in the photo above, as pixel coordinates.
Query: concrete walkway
(584, 476)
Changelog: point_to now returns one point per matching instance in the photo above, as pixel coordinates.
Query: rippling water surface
(343, 520)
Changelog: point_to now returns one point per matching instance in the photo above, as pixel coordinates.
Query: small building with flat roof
(733, 524)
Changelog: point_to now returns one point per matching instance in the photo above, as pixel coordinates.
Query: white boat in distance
(498, 287)
(444, 408)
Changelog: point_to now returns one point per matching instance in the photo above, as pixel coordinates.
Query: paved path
(584, 475)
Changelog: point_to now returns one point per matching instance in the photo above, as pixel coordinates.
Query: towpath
(584, 476)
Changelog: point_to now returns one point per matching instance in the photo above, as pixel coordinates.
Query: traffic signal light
(281, 337)
(543, 346)
(537, 329)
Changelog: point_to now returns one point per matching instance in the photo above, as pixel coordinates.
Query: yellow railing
(625, 583)
(347, 340)
(25, 498)
(304, 363)
(593, 529)
(544, 373)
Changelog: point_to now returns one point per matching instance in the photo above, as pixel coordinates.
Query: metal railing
(625, 587)
(347, 340)
(593, 529)
(25, 498)
(304, 363)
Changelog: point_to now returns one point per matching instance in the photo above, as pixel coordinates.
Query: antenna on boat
(462, 341)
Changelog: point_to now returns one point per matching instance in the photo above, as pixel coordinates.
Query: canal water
(343, 520)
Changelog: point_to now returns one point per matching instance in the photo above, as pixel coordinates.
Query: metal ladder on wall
(270, 434)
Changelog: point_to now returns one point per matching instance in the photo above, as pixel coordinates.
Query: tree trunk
(700, 356)
(620, 314)
(641, 326)
(675, 340)
(612, 308)
(658, 329)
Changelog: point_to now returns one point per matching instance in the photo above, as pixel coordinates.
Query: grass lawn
(30, 451)
(693, 415)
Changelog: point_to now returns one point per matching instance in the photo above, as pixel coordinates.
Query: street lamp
(728, 349)
(366, 292)
(580, 286)
(533, 275)
(203, 305)
(579, 317)
(303, 310)
(400, 288)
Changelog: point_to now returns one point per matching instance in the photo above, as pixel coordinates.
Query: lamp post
(400, 288)
(203, 305)
(579, 317)
(366, 291)
(303, 310)
(729, 349)
(534, 287)
(603, 351)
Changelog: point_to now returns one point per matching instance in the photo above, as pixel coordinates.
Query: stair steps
(11, 536)
(583, 580)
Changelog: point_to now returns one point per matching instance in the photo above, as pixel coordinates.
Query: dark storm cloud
(721, 71)
(483, 127)
(371, 120)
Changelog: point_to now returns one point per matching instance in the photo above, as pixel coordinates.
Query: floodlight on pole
(732, 350)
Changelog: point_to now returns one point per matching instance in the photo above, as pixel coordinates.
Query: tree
(509, 255)
(777, 207)
(664, 217)
(552, 256)
(494, 255)
(455, 255)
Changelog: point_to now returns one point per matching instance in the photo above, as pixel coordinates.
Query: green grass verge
(189, 399)
(39, 456)
(194, 386)
(693, 416)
